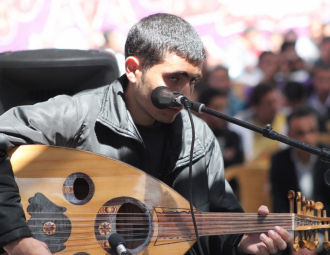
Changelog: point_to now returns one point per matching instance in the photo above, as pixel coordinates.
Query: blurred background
(234, 32)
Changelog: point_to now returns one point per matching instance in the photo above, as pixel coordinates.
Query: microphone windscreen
(115, 239)
(162, 97)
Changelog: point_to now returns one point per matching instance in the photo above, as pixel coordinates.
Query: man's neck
(303, 157)
(139, 116)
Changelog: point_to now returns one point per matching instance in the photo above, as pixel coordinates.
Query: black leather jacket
(98, 121)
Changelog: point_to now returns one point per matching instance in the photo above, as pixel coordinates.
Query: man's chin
(167, 119)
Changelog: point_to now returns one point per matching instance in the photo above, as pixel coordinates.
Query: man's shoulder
(202, 130)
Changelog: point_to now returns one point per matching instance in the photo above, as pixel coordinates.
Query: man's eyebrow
(185, 74)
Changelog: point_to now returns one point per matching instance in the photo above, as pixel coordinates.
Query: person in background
(291, 66)
(298, 170)
(230, 142)
(219, 79)
(264, 72)
(320, 97)
(324, 52)
(295, 95)
(263, 110)
(114, 42)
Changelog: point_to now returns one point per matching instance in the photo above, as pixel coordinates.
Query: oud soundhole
(133, 224)
(78, 189)
(128, 217)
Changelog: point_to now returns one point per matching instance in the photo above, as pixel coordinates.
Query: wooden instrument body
(52, 171)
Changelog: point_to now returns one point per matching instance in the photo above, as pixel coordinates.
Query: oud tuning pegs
(291, 196)
(308, 208)
(298, 200)
(311, 244)
(296, 246)
(316, 238)
(319, 206)
(326, 243)
(304, 205)
(306, 236)
(302, 243)
(312, 210)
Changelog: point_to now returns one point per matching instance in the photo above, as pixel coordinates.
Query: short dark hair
(156, 35)
(264, 53)
(287, 45)
(259, 92)
(325, 39)
(219, 67)
(294, 91)
(301, 112)
(208, 94)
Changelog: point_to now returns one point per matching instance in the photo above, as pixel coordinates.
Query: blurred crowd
(289, 91)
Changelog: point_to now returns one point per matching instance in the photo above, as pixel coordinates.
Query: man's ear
(133, 67)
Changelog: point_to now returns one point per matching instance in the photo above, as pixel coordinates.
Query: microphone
(162, 97)
(118, 243)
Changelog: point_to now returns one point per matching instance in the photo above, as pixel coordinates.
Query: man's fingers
(262, 250)
(286, 236)
(269, 242)
(263, 210)
(278, 240)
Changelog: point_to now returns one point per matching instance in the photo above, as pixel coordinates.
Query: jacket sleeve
(50, 123)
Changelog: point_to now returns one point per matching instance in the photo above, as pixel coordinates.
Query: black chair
(28, 77)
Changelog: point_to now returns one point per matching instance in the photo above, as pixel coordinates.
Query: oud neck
(181, 225)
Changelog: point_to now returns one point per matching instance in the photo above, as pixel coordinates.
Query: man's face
(304, 129)
(267, 108)
(322, 82)
(219, 79)
(269, 64)
(175, 73)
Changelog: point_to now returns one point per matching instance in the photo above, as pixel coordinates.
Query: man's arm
(46, 123)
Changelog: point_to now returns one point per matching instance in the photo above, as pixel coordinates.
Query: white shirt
(304, 173)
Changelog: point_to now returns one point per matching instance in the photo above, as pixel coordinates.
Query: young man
(119, 121)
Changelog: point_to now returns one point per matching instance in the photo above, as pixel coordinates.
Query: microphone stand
(267, 131)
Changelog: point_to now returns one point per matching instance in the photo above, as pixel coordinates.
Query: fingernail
(277, 228)
(271, 232)
(263, 237)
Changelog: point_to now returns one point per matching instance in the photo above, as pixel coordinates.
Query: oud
(73, 200)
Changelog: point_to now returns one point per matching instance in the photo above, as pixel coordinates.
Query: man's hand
(264, 243)
(27, 246)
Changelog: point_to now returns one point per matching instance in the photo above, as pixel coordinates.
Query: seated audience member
(324, 52)
(291, 66)
(320, 97)
(230, 142)
(298, 170)
(219, 79)
(295, 96)
(263, 110)
(263, 73)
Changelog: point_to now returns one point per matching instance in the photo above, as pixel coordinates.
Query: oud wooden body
(45, 170)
